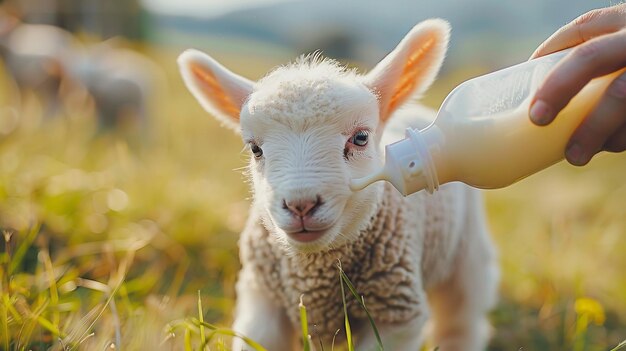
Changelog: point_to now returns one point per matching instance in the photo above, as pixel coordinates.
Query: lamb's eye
(256, 150)
(360, 138)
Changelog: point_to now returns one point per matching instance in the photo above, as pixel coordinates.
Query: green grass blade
(221, 345)
(54, 291)
(620, 347)
(110, 297)
(5, 324)
(49, 326)
(304, 324)
(188, 346)
(201, 318)
(228, 332)
(30, 321)
(346, 280)
(19, 254)
(11, 309)
(345, 312)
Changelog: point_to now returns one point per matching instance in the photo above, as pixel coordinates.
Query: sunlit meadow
(129, 240)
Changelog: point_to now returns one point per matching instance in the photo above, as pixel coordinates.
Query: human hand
(600, 40)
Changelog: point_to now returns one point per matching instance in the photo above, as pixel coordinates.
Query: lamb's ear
(220, 91)
(411, 67)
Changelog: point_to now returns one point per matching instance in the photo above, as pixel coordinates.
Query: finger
(595, 58)
(617, 141)
(587, 26)
(607, 117)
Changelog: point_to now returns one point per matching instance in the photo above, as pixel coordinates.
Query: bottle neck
(409, 165)
(435, 140)
(426, 178)
(412, 164)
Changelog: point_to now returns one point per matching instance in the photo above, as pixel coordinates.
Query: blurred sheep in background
(120, 81)
(34, 56)
(60, 70)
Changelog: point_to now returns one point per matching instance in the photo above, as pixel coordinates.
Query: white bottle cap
(408, 167)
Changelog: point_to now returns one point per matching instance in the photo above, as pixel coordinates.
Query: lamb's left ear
(411, 67)
(220, 91)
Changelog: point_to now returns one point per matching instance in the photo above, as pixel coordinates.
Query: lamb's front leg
(401, 337)
(460, 304)
(260, 319)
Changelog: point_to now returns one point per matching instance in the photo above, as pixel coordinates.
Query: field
(113, 241)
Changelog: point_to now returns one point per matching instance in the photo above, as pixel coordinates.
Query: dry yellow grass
(154, 223)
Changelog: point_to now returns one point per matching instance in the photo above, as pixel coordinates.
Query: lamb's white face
(309, 131)
(311, 127)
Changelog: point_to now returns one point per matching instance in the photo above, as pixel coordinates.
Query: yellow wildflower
(585, 306)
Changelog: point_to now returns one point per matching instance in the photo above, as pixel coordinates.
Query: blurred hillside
(105, 19)
(489, 32)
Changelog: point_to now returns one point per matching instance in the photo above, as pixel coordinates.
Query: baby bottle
(482, 135)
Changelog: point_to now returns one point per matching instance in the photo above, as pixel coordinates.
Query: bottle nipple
(408, 167)
(361, 183)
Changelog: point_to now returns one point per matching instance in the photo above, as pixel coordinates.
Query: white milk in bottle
(483, 136)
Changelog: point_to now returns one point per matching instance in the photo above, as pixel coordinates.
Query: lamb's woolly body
(409, 239)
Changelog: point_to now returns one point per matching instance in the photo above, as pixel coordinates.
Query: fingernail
(576, 155)
(540, 113)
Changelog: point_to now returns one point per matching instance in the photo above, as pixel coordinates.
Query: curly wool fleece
(407, 247)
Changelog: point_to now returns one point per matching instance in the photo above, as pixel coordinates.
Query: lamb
(311, 126)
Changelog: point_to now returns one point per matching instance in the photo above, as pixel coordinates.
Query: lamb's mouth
(306, 236)
(306, 233)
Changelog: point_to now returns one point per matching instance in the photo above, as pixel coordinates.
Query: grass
(344, 280)
(108, 242)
